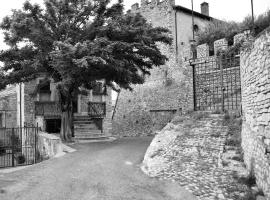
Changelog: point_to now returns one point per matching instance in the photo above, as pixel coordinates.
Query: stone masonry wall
(29, 102)
(255, 78)
(8, 107)
(107, 121)
(151, 106)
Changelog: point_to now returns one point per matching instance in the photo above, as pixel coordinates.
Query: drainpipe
(193, 35)
(176, 36)
(21, 114)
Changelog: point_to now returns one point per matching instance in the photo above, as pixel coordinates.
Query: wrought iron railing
(18, 146)
(97, 109)
(49, 108)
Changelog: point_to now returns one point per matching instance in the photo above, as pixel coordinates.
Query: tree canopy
(76, 43)
(79, 41)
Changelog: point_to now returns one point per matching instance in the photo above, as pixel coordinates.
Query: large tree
(76, 43)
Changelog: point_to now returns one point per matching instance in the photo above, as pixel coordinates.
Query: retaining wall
(255, 80)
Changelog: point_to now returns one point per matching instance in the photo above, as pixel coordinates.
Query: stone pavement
(192, 157)
(96, 171)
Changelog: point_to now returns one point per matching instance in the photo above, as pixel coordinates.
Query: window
(44, 90)
(196, 28)
(99, 89)
(44, 86)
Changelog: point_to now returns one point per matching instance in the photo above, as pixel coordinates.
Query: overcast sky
(222, 9)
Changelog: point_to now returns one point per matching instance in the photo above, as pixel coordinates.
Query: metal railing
(97, 109)
(49, 108)
(18, 146)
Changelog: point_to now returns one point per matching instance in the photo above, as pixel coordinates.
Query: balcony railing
(49, 108)
(97, 109)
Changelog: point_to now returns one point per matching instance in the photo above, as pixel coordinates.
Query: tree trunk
(66, 95)
(66, 125)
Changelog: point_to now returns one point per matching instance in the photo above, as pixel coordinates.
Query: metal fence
(18, 146)
(217, 83)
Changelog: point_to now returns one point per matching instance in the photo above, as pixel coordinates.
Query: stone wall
(8, 107)
(255, 78)
(49, 145)
(169, 87)
(29, 102)
(107, 121)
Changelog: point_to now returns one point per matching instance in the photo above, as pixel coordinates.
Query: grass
(248, 181)
(217, 112)
(234, 124)
(199, 115)
(238, 158)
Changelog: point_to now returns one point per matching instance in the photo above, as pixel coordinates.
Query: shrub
(217, 112)
(200, 115)
(218, 30)
(21, 159)
(16, 142)
(2, 148)
(261, 23)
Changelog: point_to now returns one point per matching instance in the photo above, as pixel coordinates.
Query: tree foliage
(217, 30)
(76, 43)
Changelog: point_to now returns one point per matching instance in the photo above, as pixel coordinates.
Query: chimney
(205, 8)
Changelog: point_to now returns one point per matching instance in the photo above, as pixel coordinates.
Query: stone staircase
(85, 129)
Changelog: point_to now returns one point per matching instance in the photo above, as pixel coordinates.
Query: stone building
(169, 88)
(37, 103)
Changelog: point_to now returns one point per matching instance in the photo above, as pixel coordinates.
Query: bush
(261, 23)
(218, 30)
(20, 159)
(2, 148)
(200, 115)
(16, 142)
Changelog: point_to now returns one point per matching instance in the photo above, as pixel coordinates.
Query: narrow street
(97, 171)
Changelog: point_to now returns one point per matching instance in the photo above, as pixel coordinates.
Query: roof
(189, 11)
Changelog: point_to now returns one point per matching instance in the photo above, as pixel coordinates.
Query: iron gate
(18, 146)
(217, 83)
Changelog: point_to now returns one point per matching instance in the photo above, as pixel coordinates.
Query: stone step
(83, 120)
(95, 139)
(88, 132)
(85, 126)
(90, 137)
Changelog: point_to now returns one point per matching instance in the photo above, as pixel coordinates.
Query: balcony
(47, 109)
(97, 109)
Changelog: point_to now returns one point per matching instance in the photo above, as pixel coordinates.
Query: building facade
(169, 89)
(37, 103)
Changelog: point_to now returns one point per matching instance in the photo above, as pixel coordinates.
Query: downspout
(176, 35)
(21, 115)
(116, 103)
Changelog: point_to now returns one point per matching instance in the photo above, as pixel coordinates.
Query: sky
(234, 10)
(227, 10)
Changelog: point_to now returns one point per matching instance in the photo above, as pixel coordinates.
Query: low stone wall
(255, 81)
(49, 145)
